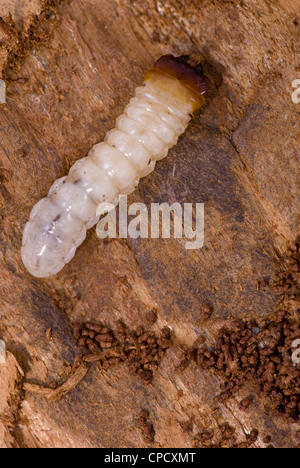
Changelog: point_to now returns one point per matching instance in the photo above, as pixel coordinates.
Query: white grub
(151, 124)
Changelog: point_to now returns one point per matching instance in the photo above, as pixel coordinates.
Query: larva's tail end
(188, 74)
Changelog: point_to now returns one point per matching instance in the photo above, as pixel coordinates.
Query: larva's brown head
(176, 76)
(179, 68)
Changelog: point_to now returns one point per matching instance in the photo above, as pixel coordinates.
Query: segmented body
(151, 124)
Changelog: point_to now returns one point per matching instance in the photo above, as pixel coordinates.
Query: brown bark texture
(70, 68)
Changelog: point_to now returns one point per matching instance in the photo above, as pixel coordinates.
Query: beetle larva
(151, 124)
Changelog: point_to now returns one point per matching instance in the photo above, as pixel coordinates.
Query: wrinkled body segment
(151, 124)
